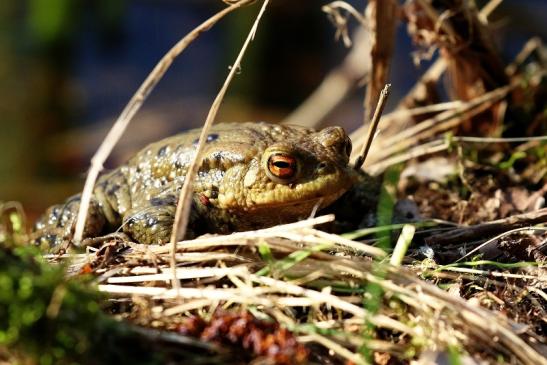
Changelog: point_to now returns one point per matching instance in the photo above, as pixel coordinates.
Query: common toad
(253, 175)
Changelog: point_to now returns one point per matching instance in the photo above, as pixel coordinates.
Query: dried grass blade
(183, 207)
(133, 107)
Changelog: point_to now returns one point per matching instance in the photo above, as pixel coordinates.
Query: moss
(46, 319)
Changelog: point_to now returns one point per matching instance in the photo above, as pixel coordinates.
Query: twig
(433, 123)
(418, 151)
(403, 115)
(240, 236)
(352, 358)
(182, 274)
(333, 300)
(356, 66)
(184, 203)
(439, 123)
(531, 46)
(497, 139)
(420, 91)
(382, 19)
(373, 126)
(477, 319)
(439, 21)
(489, 229)
(491, 273)
(359, 247)
(489, 9)
(442, 144)
(340, 21)
(133, 107)
(482, 248)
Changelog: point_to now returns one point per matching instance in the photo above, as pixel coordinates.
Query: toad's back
(252, 175)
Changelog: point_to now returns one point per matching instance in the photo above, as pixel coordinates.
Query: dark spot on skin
(204, 200)
(205, 164)
(157, 202)
(217, 156)
(49, 239)
(212, 137)
(64, 216)
(163, 201)
(162, 151)
(151, 221)
(113, 189)
(56, 211)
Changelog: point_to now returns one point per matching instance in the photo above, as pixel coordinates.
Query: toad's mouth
(271, 214)
(323, 201)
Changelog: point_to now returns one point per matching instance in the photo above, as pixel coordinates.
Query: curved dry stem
(133, 107)
(183, 207)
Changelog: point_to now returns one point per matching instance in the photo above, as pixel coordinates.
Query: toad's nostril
(348, 148)
(322, 167)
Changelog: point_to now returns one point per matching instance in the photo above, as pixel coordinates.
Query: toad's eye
(282, 166)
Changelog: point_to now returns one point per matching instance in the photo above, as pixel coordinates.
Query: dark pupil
(282, 164)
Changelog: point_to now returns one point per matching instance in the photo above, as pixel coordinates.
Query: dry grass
(325, 288)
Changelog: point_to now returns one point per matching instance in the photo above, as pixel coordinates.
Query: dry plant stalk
(465, 43)
(431, 127)
(424, 88)
(382, 20)
(133, 107)
(402, 115)
(355, 68)
(372, 127)
(184, 202)
(490, 228)
(340, 21)
(438, 145)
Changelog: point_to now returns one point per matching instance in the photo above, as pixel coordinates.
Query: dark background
(68, 67)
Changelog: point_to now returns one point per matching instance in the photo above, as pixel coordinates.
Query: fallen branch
(485, 230)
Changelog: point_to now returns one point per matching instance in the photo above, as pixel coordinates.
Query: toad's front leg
(55, 228)
(152, 222)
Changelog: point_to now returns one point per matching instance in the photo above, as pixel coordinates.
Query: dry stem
(373, 126)
(133, 107)
(184, 203)
(440, 122)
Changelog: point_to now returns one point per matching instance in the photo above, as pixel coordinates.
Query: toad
(253, 175)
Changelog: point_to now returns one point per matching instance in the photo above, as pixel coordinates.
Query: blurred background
(68, 67)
